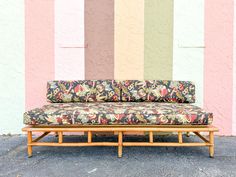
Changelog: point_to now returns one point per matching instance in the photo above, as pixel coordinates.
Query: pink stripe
(234, 76)
(69, 39)
(218, 83)
(39, 50)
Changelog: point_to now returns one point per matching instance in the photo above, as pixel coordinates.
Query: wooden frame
(180, 129)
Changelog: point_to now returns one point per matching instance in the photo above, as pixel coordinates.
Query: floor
(103, 161)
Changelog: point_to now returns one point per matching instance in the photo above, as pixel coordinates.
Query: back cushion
(133, 90)
(83, 91)
(158, 91)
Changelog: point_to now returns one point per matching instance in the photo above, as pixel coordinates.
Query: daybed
(119, 106)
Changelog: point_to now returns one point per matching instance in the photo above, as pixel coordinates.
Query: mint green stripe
(158, 39)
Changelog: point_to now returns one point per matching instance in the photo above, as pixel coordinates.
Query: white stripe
(69, 38)
(234, 75)
(188, 46)
(12, 66)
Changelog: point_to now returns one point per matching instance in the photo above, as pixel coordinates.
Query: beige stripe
(158, 39)
(129, 39)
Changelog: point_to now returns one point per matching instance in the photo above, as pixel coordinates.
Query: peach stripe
(39, 50)
(218, 84)
(129, 39)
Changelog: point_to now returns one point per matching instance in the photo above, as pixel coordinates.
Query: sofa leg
(29, 139)
(120, 142)
(211, 147)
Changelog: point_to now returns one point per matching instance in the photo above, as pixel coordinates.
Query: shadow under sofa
(120, 106)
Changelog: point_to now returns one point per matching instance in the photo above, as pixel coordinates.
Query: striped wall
(108, 39)
(69, 39)
(99, 39)
(158, 46)
(39, 50)
(218, 63)
(188, 45)
(129, 39)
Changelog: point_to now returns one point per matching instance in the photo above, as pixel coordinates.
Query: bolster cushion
(83, 91)
(158, 91)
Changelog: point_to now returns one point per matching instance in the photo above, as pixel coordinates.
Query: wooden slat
(164, 144)
(180, 137)
(41, 136)
(60, 137)
(122, 129)
(89, 136)
(151, 137)
(74, 144)
(117, 125)
(200, 136)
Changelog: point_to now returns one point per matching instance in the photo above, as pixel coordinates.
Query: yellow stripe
(129, 39)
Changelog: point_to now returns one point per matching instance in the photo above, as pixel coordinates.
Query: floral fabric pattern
(133, 90)
(122, 113)
(158, 91)
(170, 91)
(83, 91)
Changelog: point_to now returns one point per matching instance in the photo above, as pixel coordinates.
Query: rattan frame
(120, 129)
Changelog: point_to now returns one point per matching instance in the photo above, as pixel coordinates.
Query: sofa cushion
(118, 113)
(133, 90)
(158, 91)
(170, 91)
(83, 91)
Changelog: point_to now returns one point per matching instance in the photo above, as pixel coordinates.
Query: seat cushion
(118, 113)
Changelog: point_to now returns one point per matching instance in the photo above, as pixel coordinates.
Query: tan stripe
(99, 38)
(129, 39)
(158, 39)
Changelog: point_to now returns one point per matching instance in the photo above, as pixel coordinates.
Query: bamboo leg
(60, 137)
(151, 137)
(89, 136)
(120, 140)
(180, 137)
(211, 147)
(29, 137)
(187, 134)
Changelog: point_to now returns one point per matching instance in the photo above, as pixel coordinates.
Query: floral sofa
(114, 102)
(120, 103)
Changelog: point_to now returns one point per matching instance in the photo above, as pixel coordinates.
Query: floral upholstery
(118, 113)
(133, 90)
(113, 91)
(110, 102)
(158, 91)
(83, 91)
